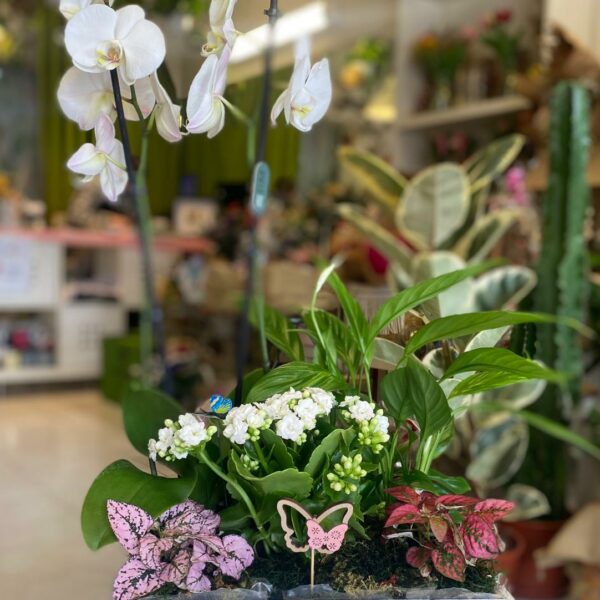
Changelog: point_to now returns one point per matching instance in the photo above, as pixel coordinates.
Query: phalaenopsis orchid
(182, 547)
(452, 531)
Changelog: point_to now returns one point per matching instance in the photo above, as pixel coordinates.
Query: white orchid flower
(100, 39)
(167, 115)
(308, 96)
(106, 159)
(69, 8)
(206, 105)
(222, 31)
(83, 97)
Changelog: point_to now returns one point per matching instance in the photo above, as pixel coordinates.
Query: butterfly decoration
(220, 405)
(319, 540)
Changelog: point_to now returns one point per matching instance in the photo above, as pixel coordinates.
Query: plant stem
(241, 491)
(151, 318)
(261, 457)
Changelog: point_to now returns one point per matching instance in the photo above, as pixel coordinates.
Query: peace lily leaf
(375, 175)
(456, 300)
(386, 354)
(486, 339)
(249, 381)
(418, 294)
(500, 360)
(435, 204)
(144, 413)
(492, 160)
(123, 482)
(277, 330)
(548, 426)
(412, 391)
(503, 287)
(529, 502)
(461, 325)
(498, 452)
(518, 395)
(321, 320)
(434, 482)
(481, 239)
(295, 375)
(391, 247)
(485, 381)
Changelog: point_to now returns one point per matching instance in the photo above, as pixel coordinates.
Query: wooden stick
(312, 570)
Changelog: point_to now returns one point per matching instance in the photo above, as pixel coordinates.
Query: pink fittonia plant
(181, 547)
(452, 531)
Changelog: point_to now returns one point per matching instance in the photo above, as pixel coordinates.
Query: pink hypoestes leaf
(403, 515)
(480, 537)
(404, 494)
(189, 518)
(494, 510)
(129, 524)
(151, 549)
(135, 580)
(455, 501)
(196, 580)
(177, 569)
(239, 556)
(418, 557)
(207, 548)
(439, 528)
(450, 562)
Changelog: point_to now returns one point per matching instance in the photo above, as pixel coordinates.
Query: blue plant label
(260, 189)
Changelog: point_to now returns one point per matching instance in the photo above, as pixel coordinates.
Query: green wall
(222, 159)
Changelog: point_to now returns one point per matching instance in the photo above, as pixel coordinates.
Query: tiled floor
(51, 447)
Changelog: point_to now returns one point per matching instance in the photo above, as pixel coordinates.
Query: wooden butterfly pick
(318, 540)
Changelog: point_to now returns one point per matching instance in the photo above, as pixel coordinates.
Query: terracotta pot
(528, 581)
(509, 561)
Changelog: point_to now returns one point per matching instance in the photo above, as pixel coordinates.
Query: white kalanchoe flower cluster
(177, 439)
(293, 413)
(373, 426)
(346, 473)
(101, 40)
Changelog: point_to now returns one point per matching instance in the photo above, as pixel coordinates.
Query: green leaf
(498, 452)
(418, 294)
(123, 482)
(459, 325)
(482, 238)
(412, 390)
(375, 175)
(390, 246)
(326, 449)
(235, 518)
(277, 450)
(500, 360)
(548, 426)
(279, 333)
(492, 160)
(434, 482)
(144, 413)
(297, 375)
(352, 311)
(386, 354)
(435, 205)
(289, 483)
(456, 300)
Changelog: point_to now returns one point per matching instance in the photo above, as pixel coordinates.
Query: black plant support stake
(260, 185)
(151, 327)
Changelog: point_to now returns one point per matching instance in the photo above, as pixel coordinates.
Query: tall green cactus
(563, 286)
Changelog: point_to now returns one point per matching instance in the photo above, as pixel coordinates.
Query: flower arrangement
(497, 35)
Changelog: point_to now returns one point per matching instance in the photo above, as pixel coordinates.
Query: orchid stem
(151, 316)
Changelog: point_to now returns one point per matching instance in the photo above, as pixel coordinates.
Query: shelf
(27, 375)
(84, 238)
(473, 111)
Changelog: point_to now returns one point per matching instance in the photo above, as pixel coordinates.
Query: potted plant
(318, 437)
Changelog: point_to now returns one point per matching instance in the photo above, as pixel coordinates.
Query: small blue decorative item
(220, 405)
